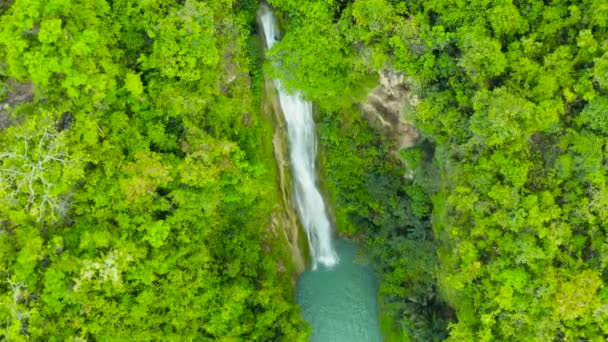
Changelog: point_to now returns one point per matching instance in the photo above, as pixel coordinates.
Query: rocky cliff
(284, 220)
(384, 108)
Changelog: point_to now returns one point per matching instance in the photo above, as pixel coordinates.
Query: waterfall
(303, 146)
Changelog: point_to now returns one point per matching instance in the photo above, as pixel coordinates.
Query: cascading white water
(303, 146)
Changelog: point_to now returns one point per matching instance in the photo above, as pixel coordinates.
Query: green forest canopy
(136, 178)
(134, 188)
(514, 160)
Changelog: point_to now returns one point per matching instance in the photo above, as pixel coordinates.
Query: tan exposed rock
(384, 107)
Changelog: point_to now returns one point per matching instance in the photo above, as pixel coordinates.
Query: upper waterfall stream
(303, 146)
(340, 300)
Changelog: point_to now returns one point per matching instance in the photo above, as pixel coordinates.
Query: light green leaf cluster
(133, 198)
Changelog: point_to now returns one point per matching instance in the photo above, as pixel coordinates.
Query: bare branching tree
(30, 170)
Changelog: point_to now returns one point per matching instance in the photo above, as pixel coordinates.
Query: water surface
(340, 303)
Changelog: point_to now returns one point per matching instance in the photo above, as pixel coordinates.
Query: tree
(37, 172)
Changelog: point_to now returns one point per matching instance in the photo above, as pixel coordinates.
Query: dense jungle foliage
(137, 180)
(505, 220)
(136, 175)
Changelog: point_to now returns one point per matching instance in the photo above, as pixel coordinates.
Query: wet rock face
(284, 219)
(384, 108)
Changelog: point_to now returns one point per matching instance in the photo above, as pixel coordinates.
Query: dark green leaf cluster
(375, 204)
